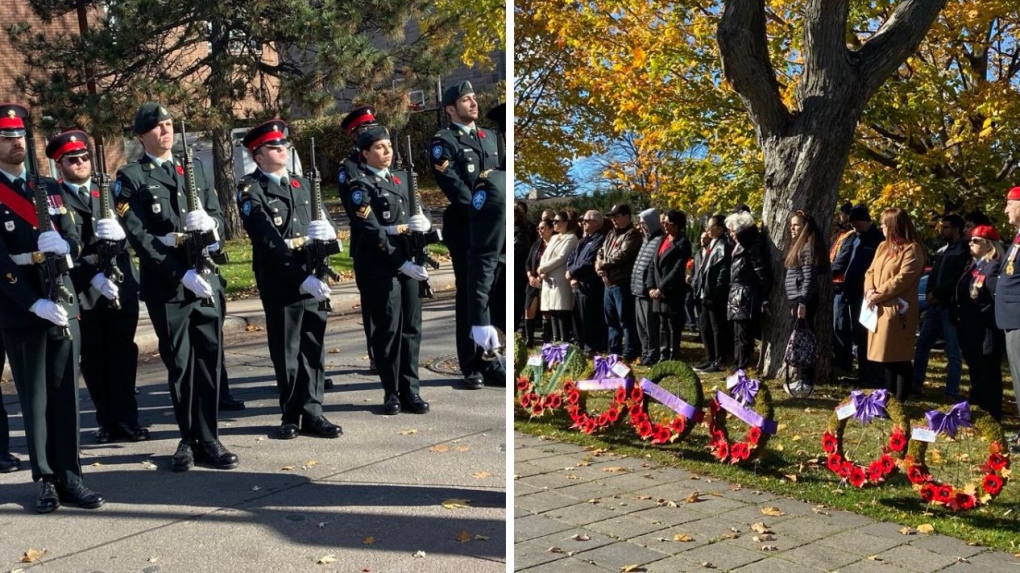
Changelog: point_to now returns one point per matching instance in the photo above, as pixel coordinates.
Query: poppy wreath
(666, 405)
(867, 406)
(598, 403)
(992, 473)
(753, 400)
(540, 387)
(520, 354)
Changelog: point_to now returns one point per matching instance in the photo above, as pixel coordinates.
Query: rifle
(108, 251)
(51, 266)
(317, 252)
(418, 242)
(196, 243)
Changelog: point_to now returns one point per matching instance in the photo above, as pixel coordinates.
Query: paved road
(600, 521)
(370, 500)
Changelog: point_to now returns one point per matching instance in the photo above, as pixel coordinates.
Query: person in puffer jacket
(749, 285)
(642, 280)
(805, 262)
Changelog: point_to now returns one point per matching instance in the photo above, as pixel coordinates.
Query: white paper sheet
(869, 316)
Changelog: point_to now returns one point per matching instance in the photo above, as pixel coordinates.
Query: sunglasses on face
(77, 160)
(977, 241)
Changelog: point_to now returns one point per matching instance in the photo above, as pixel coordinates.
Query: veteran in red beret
(1007, 297)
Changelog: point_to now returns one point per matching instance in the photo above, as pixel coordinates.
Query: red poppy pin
(295, 183)
(481, 134)
(180, 170)
(95, 193)
(396, 180)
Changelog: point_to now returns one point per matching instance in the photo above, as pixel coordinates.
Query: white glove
(199, 221)
(105, 286)
(419, 224)
(485, 336)
(197, 284)
(319, 290)
(52, 242)
(51, 311)
(416, 272)
(109, 230)
(321, 231)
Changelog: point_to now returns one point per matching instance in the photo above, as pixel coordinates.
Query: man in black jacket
(950, 262)
(587, 286)
(711, 287)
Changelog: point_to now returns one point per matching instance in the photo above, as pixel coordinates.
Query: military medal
(1009, 268)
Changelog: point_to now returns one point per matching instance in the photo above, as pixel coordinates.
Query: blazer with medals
(273, 215)
(1007, 288)
(151, 205)
(379, 203)
(87, 265)
(22, 285)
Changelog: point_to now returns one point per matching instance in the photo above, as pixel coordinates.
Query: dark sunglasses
(977, 241)
(77, 160)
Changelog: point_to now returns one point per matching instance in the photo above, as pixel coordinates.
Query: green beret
(149, 116)
(457, 91)
(371, 135)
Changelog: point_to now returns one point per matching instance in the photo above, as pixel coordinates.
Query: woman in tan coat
(890, 287)
(557, 296)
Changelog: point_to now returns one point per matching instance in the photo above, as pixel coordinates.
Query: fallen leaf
(148, 465)
(463, 448)
(730, 535)
(418, 554)
(455, 503)
(693, 498)
(255, 488)
(287, 469)
(763, 537)
(326, 559)
(630, 568)
(368, 540)
(152, 559)
(439, 448)
(481, 475)
(615, 470)
(334, 351)
(769, 548)
(643, 497)
(321, 524)
(33, 555)
(907, 531)
(554, 549)
(772, 511)
(594, 500)
(760, 527)
(791, 477)
(260, 439)
(926, 528)
(408, 432)
(580, 537)
(682, 537)
(480, 537)
(311, 463)
(463, 537)
(707, 565)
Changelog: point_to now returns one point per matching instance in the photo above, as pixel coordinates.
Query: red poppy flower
(713, 407)
(621, 394)
(589, 426)
(722, 451)
(739, 451)
(573, 410)
(645, 429)
(637, 394)
(753, 435)
(887, 463)
(481, 134)
(555, 401)
(962, 501)
(396, 180)
(569, 386)
(295, 183)
(916, 475)
(928, 492)
(574, 397)
(662, 435)
(897, 441)
(678, 425)
(875, 472)
(180, 170)
(602, 420)
(95, 193)
(829, 443)
(997, 461)
(526, 401)
(546, 400)
(845, 469)
(718, 436)
(612, 414)
(834, 463)
(522, 384)
(943, 494)
(992, 484)
(537, 410)
(857, 476)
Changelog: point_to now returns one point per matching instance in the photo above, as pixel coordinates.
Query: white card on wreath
(845, 411)
(535, 360)
(621, 369)
(923, 435)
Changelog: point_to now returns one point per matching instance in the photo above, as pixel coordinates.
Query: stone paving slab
(638, 513)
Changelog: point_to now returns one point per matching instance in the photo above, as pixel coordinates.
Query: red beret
(1014, 194)
(986, 232)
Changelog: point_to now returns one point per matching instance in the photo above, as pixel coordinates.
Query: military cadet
(460, 153)
(275, 209)
(181, 299)
(486, 276)
(380, 204)
(40, 335)
(353, 124)
(109, 355)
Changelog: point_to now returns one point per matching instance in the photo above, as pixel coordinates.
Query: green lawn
(794, 463)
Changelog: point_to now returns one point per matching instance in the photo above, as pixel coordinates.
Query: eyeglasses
(977, 241)
(77, 160)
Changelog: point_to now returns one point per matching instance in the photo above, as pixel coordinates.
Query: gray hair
(737, 222)
(596, 216)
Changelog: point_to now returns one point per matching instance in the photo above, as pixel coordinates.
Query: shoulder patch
(478, 200)
(356, 196)
(122, 208)
(246, 208)
(437, 151)
(443, 166)
(341, 176)
(116, 188)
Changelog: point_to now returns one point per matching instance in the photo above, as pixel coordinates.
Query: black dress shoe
(231, 404)
(474, 381)
(414, 404)
(391, 405)
(372, 367)
(48, 501)
(9, 463)
(184, 458)
(80, 495)
(288, 431)
(103, 436)
(327, 384)
(133, 432)
(214, 454)
(320, 426)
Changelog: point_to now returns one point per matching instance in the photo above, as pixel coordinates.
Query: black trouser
(715, 331)
(671, 330)
(45, 371)
(109, 364)
(560, 319)
(743, 343)
(366, 317)
(296, 332)
(224, 392)
(842, 330)
(867, 372)
(898, 378)
(648, 327)
(5, 428)
(396, 339)
(190, 339)
(469, 356)
(982, 349)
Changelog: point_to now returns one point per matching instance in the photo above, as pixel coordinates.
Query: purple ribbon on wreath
(869, 406)
(745, 389)
(957, 417)
(553, 354)
(604, 365)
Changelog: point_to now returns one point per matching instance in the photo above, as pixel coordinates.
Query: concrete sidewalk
(573, 517)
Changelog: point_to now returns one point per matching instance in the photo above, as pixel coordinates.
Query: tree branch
(825, 52)
(898, 37)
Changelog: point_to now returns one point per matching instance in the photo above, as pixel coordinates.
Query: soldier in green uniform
(460, 153)
(486, 280)
(275, 209)
(109, 355)
(40, 335)
(380, 201)
(152, 204)
(354, 124)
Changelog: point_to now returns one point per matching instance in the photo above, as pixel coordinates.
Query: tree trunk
(226, 185)
(221, 103)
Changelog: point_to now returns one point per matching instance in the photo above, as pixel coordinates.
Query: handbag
(802, 348)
